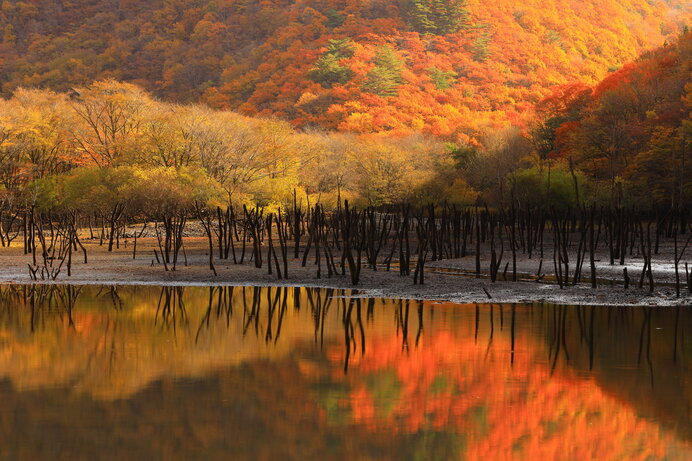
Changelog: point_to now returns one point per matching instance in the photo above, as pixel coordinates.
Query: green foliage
(438, 17)
(541, 187)
(170, 190)
(430, 444)
(159, 191)
(463, 155)
(385, 78)
(543, 135)
(273, 193)
(341, 48)
(334, 18)
(481, 50)
(99, 189)
(328, 70)
(331, 400)
(44, 193)
(386, 390)
(443, 79)
(552, 36)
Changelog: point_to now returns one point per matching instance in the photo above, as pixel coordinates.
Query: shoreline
(446, 280)
(505, 295)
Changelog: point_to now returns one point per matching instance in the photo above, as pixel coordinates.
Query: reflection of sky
(436, 370)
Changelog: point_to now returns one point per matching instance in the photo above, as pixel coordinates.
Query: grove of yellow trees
(112, 142)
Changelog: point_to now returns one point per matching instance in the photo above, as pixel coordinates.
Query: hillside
(624, 140)
(447, 67)
(632, 131)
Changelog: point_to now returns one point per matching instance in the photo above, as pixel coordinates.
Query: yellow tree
(111, 120)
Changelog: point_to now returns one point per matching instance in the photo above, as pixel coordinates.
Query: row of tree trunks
(379, 238)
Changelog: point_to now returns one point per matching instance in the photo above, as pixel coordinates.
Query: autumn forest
(374, 101)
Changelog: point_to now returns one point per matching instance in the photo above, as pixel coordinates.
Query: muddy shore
(447, 280)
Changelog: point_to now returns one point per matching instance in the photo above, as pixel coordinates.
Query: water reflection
(268, 373)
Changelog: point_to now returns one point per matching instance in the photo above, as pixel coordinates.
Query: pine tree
(439, 17)
(334, 18)
(328, 70)
(385, 78)
(443, 80)
(481, 50)
(342, 48)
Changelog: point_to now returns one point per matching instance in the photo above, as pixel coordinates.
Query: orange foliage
(632, 126)
(256, 56)
(504, 411)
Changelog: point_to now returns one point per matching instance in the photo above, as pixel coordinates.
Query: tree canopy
(311, 62)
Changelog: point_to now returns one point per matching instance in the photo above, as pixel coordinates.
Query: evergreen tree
(334, 18)
(342, 48)
(481, 52)
(328, 70)
(443, 80)
(439, 17)
(385, 78)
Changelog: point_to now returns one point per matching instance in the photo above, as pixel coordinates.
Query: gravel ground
(446, 280)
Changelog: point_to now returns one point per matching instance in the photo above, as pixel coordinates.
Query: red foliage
(256, 57)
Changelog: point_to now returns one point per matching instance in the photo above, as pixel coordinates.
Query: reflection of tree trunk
(645, 321)
(348, 327)
(475, 330)
(420, 322)
(591, 338)
(491, 316)
(514, 307)
(675, 335)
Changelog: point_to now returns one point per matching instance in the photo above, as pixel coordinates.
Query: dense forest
(377, 102)
(623, 141)
(450, 68)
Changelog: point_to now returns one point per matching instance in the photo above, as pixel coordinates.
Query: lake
(168, 373)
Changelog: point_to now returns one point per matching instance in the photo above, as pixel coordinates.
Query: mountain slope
(392, 68)
(632, 132)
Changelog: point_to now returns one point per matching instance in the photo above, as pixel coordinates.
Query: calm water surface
(170, 373)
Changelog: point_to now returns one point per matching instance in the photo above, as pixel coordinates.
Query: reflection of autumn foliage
(451, 383)
(230, 414)
(112, 351)
(125, 378)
